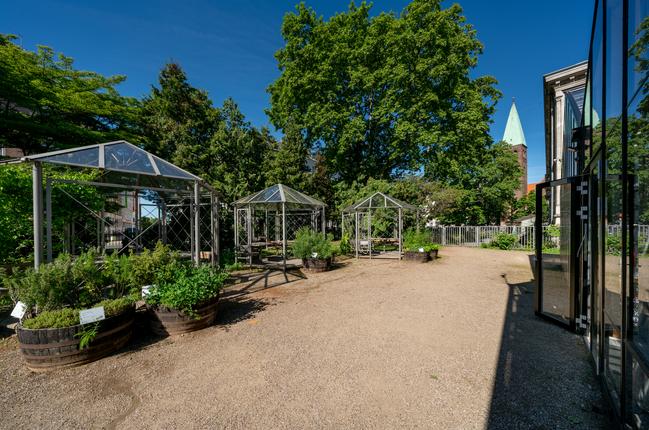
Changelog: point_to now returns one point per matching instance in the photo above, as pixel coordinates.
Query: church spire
(514, 130)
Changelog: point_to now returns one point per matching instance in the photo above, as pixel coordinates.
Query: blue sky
(227, 47)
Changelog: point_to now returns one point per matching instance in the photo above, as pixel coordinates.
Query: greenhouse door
(561, 251)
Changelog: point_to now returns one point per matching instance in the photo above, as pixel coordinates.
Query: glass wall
(612, 210)
(638, 163)
(617, 163)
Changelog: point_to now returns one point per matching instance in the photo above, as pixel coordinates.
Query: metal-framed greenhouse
(266, 221)
(375, 225)
(142, 199)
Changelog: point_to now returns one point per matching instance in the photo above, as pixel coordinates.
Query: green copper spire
(514, 130)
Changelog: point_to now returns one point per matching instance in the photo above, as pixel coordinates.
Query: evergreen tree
(178, 120)
(288, 160)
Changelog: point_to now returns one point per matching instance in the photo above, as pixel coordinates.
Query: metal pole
(190, 207)
(284, 233)
(212, 241)
(324, 227)
(197, 223)
(136, 209)
(400, 233)
(164, 222)
(249, 234)
(217, 226)
(37, 206)
(356, 239)
(369, 231)
(236, 233)
(48, 218)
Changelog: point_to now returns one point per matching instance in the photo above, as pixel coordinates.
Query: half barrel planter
(315, 265)
(433, 254)
(169, 322)
(55, 348)
(416, 256)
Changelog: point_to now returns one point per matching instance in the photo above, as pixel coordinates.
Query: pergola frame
(129, 163)
(366, 207)
(280, 200)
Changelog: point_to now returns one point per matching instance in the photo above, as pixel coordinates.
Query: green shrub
(345, 245)
(504, 241)
(309, 242)
(143, 267)
(59, 318)
(614, 244)
(67, 317)
(63, 283)
(183, 287)
(118, 269)
(414, 240)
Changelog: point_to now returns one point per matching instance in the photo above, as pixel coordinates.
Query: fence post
(443, 235)
(477, 236)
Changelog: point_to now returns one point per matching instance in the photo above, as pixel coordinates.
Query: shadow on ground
(237, 310)
(251, 282)
(544, 379)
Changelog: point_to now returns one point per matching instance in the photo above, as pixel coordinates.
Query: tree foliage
(47, 104)
(385, 95)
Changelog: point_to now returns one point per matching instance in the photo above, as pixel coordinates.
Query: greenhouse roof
(279, 193)
(118, 156)
(379, 200)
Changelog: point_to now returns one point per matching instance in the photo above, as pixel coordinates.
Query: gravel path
(381, 344)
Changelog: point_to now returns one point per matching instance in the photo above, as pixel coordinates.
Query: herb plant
(309, 242)
(414, 240)
(183, 287)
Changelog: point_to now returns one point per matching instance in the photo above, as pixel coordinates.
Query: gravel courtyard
(373, 344)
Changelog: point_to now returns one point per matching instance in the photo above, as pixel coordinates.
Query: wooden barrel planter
(316, 265)
(55, 348)
(170, 322)
(433, 254)
(416, 256)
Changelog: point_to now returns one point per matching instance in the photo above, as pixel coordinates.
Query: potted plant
(314, 248)
(184, 298)
(433, 250)
(50, 333)
(419, 247)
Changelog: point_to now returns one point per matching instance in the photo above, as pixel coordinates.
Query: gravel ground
(452, 344)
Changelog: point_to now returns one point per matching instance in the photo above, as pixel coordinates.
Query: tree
(178, 120)
(236, 155)
(46, 104)
(386, 95)
(287, 163)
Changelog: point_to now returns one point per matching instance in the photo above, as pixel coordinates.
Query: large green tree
(178, 119)
(287, 163)
(47, 104)
(385, 95)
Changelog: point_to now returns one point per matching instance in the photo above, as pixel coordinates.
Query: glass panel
(597, 83)
(640, 392)
(168, 169)
(556, 258)
(84, 157)
(638, 153)
(596, 307)
(270, 194)
(125, 157)
(613, 198)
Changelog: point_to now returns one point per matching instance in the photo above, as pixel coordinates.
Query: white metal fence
(475, 236)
